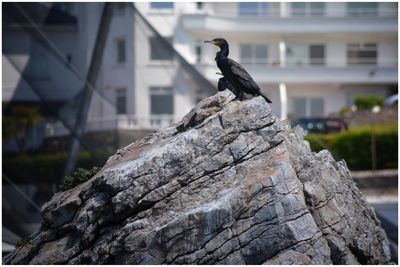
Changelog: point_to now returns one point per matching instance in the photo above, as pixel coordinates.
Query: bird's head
(220, 42)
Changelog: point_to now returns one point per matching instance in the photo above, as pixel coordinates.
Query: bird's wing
(237, 69)
(242, 75)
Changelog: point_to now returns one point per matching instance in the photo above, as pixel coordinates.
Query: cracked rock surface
(229, 184)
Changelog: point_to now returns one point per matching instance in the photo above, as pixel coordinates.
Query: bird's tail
(266, 98)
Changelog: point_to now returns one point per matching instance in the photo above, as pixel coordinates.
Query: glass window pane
(159, 51)
(358, 54)
(198, 53)
(299, 107)
(317, 8)
(121, 50)
(261, 54)
(248, 8)
(121, 101)
(367, 57)
(264, 8)
(362, 9)
(317, 54)
(162, 5)
(298, 9)
(161, 100)
(245, 53)
(317, 107)
(370, 46)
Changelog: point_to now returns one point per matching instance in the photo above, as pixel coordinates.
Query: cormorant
(233, 72)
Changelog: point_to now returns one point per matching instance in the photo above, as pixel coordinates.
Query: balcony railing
(313, 62)
(304, 72)
(296, 13)
(129, 122)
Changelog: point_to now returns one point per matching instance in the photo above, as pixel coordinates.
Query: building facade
(315, 57)
(310, 59)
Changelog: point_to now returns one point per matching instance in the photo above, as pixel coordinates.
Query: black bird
(233, 72)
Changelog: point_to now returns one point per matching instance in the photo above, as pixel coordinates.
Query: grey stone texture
(229, 184)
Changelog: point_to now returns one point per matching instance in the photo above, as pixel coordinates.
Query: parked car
(321, 125)
(392, 100)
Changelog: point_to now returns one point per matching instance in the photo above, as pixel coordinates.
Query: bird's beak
(211, 42)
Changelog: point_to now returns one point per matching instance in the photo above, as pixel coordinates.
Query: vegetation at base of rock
(354, 146)
(22, 242)
(78, 177)
(46, 168)
(368, 102)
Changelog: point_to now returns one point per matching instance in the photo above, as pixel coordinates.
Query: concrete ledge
(376, 179)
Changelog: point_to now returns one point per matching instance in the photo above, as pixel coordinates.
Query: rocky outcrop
(229, 184)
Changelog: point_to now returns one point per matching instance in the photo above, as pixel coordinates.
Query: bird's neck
(224, 52)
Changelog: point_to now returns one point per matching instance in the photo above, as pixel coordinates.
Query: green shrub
(368, 102)
(344, 110)
(78, 177)
(22, 242)
(355, 146)
(45, 168)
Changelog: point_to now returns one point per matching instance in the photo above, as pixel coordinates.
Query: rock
(229, 184)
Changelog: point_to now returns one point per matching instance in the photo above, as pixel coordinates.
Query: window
(317, 107)
(362, 9)
(39, 62)
(253, 54)
(161, 100)
(362, 54)
(198, 51)
(309, 9)
(119, 8)
(317, 54)
(299, 107)
(298, 9)
(304, 54)
(162, 5)
(121, 51)
(160, 51)
(253, 8)
(120, 100)
(308, 107)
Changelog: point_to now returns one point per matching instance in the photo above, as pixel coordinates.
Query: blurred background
(81, 80)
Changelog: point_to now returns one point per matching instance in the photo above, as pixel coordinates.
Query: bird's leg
(237, 95)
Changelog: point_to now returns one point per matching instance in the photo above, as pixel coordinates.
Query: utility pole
(91, 78)
(282, 85)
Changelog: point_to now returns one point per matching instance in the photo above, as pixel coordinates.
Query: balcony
(232, 23)
(308, 73)
(126, 122)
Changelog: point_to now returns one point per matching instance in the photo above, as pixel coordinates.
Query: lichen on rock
(229, 184)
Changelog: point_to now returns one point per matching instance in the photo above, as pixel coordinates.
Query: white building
(315, 56)
(323, 53)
